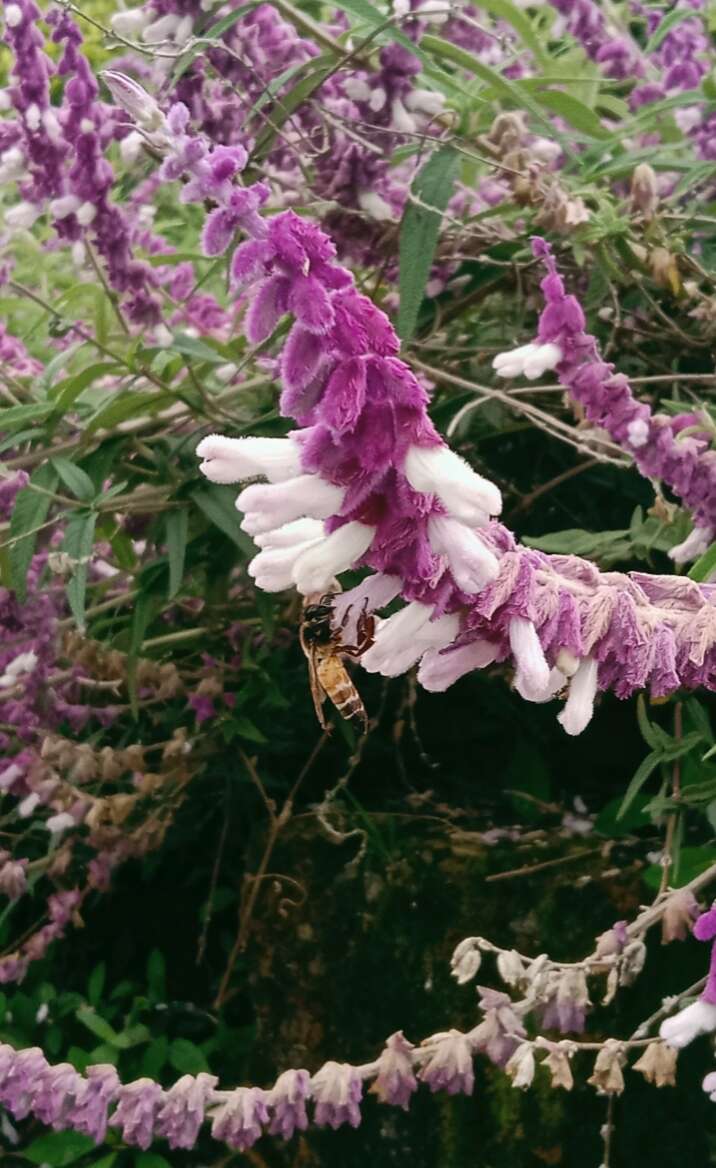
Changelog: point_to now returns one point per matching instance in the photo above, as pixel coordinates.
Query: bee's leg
(366, 628)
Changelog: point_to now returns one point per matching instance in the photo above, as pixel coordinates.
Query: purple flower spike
(337, 1092)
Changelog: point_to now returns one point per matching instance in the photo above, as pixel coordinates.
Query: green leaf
(511, 14)
(97, 1025)
(666, 23)
(65, 392)
(693, 860)
(79, 536)
(95, 983)
(59, 361)
(150, 1160)
(678, 747)
(246, 728)
(611, 823)
(192, 347)
(419, 231)
(653, 735)
(312, 80)
(214, 33)
(186, 1057)
(704, 566)
(105, 1162)
(515, 94)
(573, 111)
(18, 415)
(177, 529)
(58, 1148)
(145, 608)
(29, 513)
(155, 1057)
(643, 772)
(156, 975)
(132, 404)
(75, 479)
(217, 503)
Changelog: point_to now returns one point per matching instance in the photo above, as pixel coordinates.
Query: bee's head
(315, 613)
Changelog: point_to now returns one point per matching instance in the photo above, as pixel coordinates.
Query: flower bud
(134, 99)
(644, 194)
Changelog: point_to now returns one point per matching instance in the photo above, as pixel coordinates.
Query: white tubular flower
(438, 671)
(228, 460)
(437, 470)
(521, 1066)
(531, 360)
(698, 1018)
(273, 568)
(394, 634)
(12, 164)
(567, 663)
(33, 117)
(22, 215)
(533, 673)
(58, 824)
(638, 432)
(134, 99)
(465, 961)
(53, 129)
(579, 707)
(695, 544)
(316, 567)
(374, 592)
(28, 805)
(86, 214)
(555, 682)
(472, 564)
(23, 663)
(64, 206)
(131, 147)
(13, 15)
(436, 634)
(357, 89)
(709, 1086)
(129, 25)
(377, 99)
(271, 506)
(291, 534)
(400, 119)
(375, 206)
(162, 29)
(425, 101)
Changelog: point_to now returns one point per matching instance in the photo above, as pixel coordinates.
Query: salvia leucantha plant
(353, 259)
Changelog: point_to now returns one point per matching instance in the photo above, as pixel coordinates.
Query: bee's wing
(317, 692)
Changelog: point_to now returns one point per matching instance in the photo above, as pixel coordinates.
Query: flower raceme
(684, 461)
(365, 481)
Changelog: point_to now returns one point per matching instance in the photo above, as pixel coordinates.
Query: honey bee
(324, 651)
